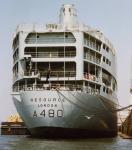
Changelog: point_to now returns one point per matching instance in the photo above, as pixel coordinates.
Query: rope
(81, 107)
(123, 108)
(79, 99)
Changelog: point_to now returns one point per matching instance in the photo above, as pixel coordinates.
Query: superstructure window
(107, 61)
(107, 90)
(107, 49)
(103, 59)
(103, 88)
(66, 35)
(103, 46)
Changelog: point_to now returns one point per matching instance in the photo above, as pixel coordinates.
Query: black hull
(52, 132)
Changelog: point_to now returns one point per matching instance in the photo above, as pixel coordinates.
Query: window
(107, 49)
(107, 90)
(103, 46)
(107, 61)
(103, 59)
(66, 35)
(103, 89)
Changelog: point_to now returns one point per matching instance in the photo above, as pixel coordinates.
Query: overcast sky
(112, 17)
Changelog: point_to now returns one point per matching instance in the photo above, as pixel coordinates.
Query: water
(26, 143)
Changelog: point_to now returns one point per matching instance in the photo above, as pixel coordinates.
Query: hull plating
(66, 112)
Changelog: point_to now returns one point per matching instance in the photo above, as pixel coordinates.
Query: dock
(14, 126)
(125, 129)
(124, 136)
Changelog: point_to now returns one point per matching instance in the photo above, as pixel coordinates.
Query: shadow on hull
(55, 133)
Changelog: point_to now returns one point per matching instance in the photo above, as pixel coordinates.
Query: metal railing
(61, 87)
(50, 40)
(52, 74)
(92, 45)
(93, 59)
(51, 54)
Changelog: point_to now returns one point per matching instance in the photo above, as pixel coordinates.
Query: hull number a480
(48, 113)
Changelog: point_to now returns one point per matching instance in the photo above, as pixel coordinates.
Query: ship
(64, 78)
(13, 126)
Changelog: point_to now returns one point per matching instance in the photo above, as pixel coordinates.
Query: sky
(112, 17)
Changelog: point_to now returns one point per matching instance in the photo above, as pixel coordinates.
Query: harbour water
(28, 143)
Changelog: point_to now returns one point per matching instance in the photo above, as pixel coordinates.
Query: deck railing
(93, 59)
(92, 44)
(61, 87)
(52, 74)
(55, 87)
(49, 40)
(51, 54)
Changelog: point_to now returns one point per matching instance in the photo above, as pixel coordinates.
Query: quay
(124, 136)
(14, 126)
(125, 129)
